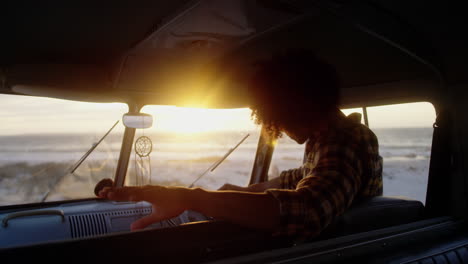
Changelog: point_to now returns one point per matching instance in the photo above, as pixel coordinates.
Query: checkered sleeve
(290, 178)
(324, 193)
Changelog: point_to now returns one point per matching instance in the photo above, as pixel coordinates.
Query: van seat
(375, 213)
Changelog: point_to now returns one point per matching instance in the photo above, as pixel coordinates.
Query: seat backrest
(375, 213)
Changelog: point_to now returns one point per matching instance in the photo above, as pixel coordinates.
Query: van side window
(405, 137)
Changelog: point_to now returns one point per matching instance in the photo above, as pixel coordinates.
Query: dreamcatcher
(143, 148)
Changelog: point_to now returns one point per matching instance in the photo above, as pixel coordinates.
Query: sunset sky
(24, 115)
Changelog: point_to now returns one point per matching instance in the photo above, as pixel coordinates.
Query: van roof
(186, 52)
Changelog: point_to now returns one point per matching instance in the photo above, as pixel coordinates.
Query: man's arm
(327, 189)
(288, 179)
(254, 210)
(257, 187)
(248, 206)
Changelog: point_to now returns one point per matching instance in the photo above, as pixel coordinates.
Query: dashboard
(78, 220)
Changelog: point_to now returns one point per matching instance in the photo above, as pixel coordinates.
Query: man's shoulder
(347, 134)
(363, 132)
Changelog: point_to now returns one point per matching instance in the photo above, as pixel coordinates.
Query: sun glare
(197, 120)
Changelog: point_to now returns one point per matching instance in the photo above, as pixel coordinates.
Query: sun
(187, 120)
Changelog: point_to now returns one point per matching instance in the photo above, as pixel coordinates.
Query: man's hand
(167, 202)
(251, 209)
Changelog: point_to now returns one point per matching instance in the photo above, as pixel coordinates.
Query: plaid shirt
(342, 165)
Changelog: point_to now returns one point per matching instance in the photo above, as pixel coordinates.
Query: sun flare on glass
(197, 120)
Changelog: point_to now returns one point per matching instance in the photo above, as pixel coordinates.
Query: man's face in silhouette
(301, 131)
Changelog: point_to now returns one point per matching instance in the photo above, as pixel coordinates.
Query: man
(294, 93)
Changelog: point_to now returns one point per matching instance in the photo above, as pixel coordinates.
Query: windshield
(187, 143)
(42, 139)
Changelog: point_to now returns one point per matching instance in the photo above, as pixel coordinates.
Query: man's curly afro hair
(291, 88)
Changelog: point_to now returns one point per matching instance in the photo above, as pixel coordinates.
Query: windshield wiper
(218, 162)
(78, 163)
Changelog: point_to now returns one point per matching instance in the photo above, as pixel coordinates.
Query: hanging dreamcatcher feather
(143, 148)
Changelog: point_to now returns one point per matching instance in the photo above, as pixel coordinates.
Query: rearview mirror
(138, 120)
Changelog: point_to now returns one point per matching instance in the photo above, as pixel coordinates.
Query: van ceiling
(75, 31)
(150, 52)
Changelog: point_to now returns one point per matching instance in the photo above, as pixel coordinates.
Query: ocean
(30, 165)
